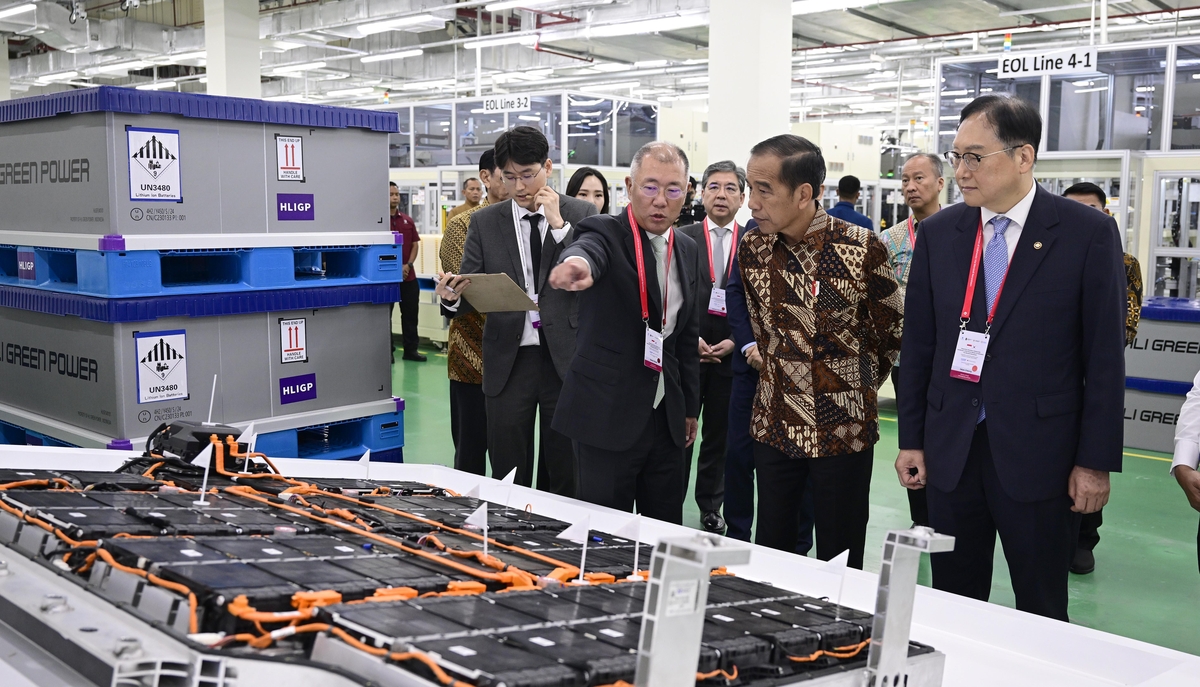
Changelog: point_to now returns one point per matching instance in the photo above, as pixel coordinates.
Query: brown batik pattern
(464, 350)
(827, 316)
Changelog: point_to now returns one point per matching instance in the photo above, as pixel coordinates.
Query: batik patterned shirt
(464, 352)
(826, 315)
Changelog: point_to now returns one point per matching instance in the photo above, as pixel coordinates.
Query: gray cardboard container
(1150, 420)
(87, 374)
(71, 173)
(1164, 350)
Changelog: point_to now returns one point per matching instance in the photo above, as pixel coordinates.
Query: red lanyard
(641, 269)
(712, 270)
(912, 237)
(976, 257)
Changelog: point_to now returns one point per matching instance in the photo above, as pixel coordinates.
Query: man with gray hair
(722, 191)
(922, 183)
(631, 397)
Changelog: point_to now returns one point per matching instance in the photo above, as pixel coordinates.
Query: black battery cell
(317, 575)
(787, 640)
(97, 523)
(249, 549)
(477, 613)
(394, 571)
(601, 598)
(545, 606)
(149, 554)
(493, 663)
(601, 663)
(72, 500)
(384, 623)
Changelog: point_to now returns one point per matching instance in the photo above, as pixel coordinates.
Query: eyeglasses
(652, 191)
(971, 160)
(731, 189)
(525, 178)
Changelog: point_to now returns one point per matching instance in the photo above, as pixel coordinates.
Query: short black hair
(848, 186)
(487, 161)
(1015, 121)
(800, 160)
(392, 183)
(1087, 188)
(522, 145)
(469, 181)
(580, 176)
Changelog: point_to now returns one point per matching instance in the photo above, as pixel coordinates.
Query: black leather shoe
(1084, 562)
(713, 522)
(416, 357)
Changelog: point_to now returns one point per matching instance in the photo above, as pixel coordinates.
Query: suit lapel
(1026, 258)
(510, 241)
(964, 244)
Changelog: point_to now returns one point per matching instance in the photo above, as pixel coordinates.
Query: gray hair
(935, 160)
(724, 166)
(661, 151)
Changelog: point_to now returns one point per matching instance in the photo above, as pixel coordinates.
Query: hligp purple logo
(296, 389)
(26, 266)
(294, 207)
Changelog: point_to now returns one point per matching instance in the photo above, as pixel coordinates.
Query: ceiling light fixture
(156, 86)
(632, 28)
(305, 67)
(817, 6)
(397, 23)
(509, 4)
(605, 87)
(399, 55)
(523, 39)
(60, 76)
(694, 80)
(19, 9)
(426, 85)
(351, 92)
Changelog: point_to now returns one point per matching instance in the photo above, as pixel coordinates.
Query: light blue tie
(995, 267)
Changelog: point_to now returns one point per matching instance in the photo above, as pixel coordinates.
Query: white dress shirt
(675, 293)
(1018, 215)
(529, 337)
(1187, 430)
(724, 235)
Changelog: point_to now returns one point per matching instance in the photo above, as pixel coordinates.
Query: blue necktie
(995, 267)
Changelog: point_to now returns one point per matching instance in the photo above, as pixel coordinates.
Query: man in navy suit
(1011, 393)
(631, 397)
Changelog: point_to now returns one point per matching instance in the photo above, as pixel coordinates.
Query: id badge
(535, 317)
(716, 303)
(654, 350)
(969, 355)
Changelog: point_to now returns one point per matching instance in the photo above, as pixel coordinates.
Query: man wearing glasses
(1012, 389)
(525, 354)
(631, 398)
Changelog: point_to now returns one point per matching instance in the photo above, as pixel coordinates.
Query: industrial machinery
(200, 564)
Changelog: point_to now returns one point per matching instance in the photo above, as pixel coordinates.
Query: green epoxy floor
(1146, 583)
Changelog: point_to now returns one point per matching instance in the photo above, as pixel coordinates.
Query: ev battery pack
(122, 380)
(110, 161)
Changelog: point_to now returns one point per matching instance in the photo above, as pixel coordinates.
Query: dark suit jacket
(608, 394)
(491, 248)
(739, 315)
(714, 328)
(1054, 375)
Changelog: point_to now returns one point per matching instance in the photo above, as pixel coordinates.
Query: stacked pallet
(153, 241)
(1160, 366)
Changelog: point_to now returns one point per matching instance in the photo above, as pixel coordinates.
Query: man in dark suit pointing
(1012, 389)
(631, 398)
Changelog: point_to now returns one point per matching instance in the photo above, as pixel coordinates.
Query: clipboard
(496, 293)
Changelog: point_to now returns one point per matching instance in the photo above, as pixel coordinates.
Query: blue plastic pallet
(153, 273)
(345, 440)
(112, 310)
(12, 435)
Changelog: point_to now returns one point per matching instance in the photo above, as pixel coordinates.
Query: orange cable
(193, 625)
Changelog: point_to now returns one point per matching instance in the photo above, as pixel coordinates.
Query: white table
(985, 644)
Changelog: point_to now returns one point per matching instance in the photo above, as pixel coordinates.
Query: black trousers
(410, 295)
(647, 475)
(1089, 529)
(841, 488)
(468, 427)
(1038, 537)
(714, 411)
(739, 457)
(529, 398)
(918, 503)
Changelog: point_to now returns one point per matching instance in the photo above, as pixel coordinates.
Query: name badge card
(535, 317)
(716, 303)
(654, 350)
(969, 355)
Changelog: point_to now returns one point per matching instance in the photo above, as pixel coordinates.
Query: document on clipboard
(496, 293)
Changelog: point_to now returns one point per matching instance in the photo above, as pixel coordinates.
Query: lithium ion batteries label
(161, 365)
(154, 164)
(294, 207)
(298, 388)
